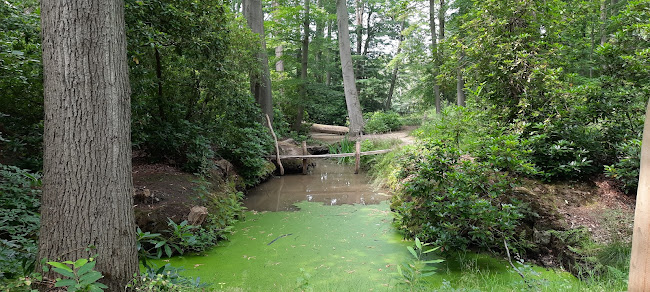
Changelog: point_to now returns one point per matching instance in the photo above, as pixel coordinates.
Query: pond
(331, 230)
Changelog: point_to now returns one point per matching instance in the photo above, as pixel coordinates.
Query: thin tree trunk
(279, 64)
(640, 260)
(328, 74)
(460, 87)
(393, 78)
(87, 185)
(359, 28)
(434, 53)
(159, 96)
(303, 68)
(260, 83)
(603, 22)
(369, 33)
(347, 68)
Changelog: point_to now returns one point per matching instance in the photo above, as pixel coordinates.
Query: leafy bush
(382, 122)
(455, 124)
(165, 278)
(80, 275)
(452, 202)
(506, 152)
(19, 220)
(627, 168)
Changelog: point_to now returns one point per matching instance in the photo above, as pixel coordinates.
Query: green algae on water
(343, 248)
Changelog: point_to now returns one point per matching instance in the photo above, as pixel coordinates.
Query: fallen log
(329, 129)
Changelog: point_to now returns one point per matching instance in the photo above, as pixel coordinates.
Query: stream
(331, 230)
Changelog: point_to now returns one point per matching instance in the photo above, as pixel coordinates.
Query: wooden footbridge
(305, 156)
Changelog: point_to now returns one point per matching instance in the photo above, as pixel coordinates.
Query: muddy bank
(163, 191)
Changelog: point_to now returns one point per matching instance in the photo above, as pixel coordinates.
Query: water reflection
(328, 182)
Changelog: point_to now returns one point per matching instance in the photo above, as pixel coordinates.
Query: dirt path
(403, 135)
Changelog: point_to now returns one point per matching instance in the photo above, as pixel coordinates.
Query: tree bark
(260, 83)
(434, 53)
(393, 79)
(359, 27)
(304, 59)
(159, 81)
(347, 68)
(460, 87)
(640, 260)
(328, 57)
(603, 22)
(87, 185)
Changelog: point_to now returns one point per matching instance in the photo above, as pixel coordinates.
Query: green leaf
(60, 266)
(433, 261)
(412, 251)
(68, 273)
(90, 278)
(432, 250)
(86, 268)
(168, 251)
(79, 263)
(160, 243)
(428, 274)
(418, 244)
(65, 283)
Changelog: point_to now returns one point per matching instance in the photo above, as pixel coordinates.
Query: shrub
(627, 168)
(382, 122)
(506, 152)
(19, 220)
(452, 202)
(455, 124)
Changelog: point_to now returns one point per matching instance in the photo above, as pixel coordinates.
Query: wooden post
(357, 157)
(640, 261)
(277, 148)
(304, 160)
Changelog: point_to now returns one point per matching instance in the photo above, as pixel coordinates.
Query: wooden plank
(304, 160)
(357, 157)
(338, 155)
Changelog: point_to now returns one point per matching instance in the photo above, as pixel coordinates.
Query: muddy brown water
(328, 182)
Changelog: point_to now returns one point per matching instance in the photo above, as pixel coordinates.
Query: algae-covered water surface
(337, 247)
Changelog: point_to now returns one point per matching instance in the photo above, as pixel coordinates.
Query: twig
(510, 260)
(277, 148)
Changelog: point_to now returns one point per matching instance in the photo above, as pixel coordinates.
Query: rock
(197, 215)
(290, 147)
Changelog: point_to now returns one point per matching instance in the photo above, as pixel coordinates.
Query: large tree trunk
(347, 68)
(640, 260)
(304, 58)
(260, 83)
(87, 185)
(434, 53)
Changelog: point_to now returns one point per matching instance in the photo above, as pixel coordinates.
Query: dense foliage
(19, 220)
(382, 122)
(191, 100)
(21, 84)
(453, 201)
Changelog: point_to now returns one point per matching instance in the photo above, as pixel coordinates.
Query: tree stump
(197, 215)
